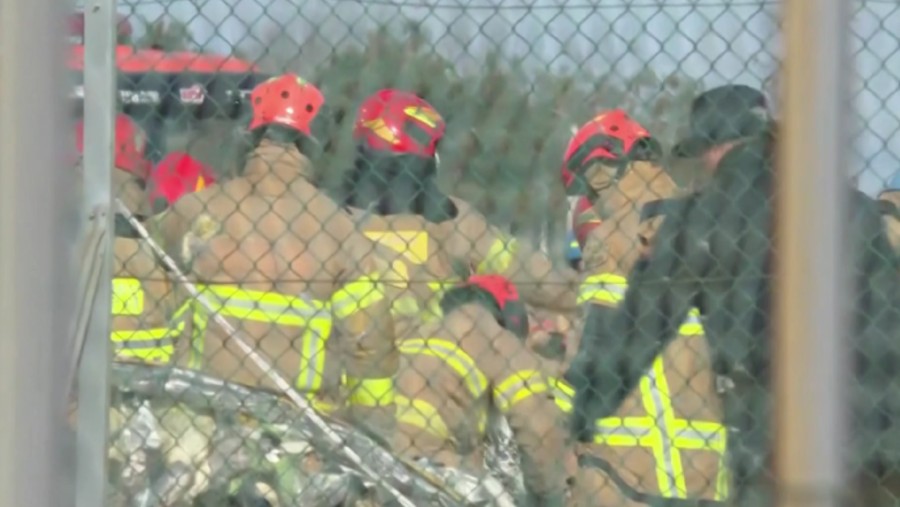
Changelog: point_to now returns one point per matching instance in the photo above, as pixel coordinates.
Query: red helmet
(512, 309)
(286, 100)
(130, 146)
(177, 174)
(612, 136)
(399, 122)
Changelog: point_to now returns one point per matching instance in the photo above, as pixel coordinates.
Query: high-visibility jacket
(667, 439)
(453, 374)
(427, 253)
(287, 267)
(144, 323)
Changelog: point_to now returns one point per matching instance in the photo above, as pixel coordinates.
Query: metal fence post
(33, 251)
(812, 323)
(93, 377)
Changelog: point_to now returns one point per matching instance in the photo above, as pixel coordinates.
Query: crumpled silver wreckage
(180, 438)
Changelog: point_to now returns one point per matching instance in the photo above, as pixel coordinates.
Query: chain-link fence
(346, 271)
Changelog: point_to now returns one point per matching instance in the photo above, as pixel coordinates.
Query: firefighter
(183, 435)
(889, 202)
(131, 166)
(721, 119)
(455, 369)
(666, 441)
(284, 264)
(393, 193)
(715, 250)
(143, 304)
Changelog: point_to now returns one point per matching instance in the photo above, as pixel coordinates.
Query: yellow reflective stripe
(499, 257)
(562, 394)
(312, 355)
(274, 308)
(199, 321)
(691, 325)
(455, 357)
(658, 404)
(320, 405)
(518, 387)
(405, 306)
(157, 345)
(423, 415)
(260, 306)
(603, 288)
(371, 392)
(408, 305)
(357, 295)
(127, 296)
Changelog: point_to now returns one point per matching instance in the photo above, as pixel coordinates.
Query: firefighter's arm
(524, 395)
(362, 322)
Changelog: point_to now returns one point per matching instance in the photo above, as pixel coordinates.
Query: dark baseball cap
(724, 114)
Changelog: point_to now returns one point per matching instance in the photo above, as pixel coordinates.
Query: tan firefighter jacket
(667, 439)
(286, 266)
(453, 372)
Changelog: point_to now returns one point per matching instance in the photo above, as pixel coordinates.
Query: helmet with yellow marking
(400, 123)
(397, 134)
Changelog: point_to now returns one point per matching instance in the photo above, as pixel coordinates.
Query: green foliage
(166, 35)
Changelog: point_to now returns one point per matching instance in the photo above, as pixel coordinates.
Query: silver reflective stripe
(312, 359)
(313, 310)
(638, 432)
(667, 443)
(144, 344)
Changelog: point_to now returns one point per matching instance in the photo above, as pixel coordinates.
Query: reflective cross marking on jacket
(666, 435)
(661, 431)
(153, 345)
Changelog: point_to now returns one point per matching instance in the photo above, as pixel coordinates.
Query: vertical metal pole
(33, 263)
(93, 376)
(812, 321)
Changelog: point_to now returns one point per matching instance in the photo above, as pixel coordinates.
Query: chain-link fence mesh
(302, 315)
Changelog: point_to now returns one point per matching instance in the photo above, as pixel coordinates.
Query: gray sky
(715, 41)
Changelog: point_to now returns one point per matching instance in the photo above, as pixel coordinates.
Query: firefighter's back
(284, 264)
(266, 252)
